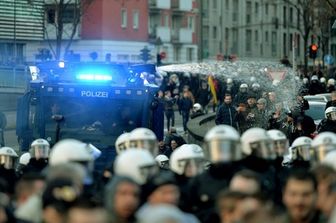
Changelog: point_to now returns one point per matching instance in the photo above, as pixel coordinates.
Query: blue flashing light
(94, 77)
(61, 64)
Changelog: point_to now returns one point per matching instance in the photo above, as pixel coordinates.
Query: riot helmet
(121, 142)
(187, 160)
(301, 149)
(24, 158)
(330, 113)
(222, 144)
(8, 157)
(243, 87)
(138, 164)
(39, 149)
(145, 139)
(256, 142)
(322, 144)
(162, 161)
(280, 142)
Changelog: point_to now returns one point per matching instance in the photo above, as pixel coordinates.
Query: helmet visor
(263, 149)
(223, 151)
(332, 116)
(150, 145)
(320, 152)
(280, 147)
(164, 164)
(302, 153)
(40, 151)
(7, 161)
(191, 167)
(121, 147)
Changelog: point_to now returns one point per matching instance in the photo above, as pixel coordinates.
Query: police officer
(222, 150)
(39, 153)
(329, 122)
(8, 158)
(186, 162)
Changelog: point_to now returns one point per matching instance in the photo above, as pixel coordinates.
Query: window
(266, 8)
(214, 32)
(226, 34)
(284, 44)
(291, 15)
(266, 36)
(214, 4)
(190, 52)
(51, 15)
(191, 22)
(135, 19)
(274, 43)
(69, 14)
(123, 18)
(284, 16)
(256, 35)
(256, 8)
(298, 18)
(248, 12)
(235, 11)
(166, 21)
(275, 10)
(298, 44)
(290, 42)
(248, 41)
(227, 4)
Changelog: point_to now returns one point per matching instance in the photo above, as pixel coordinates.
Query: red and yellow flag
(212, 88)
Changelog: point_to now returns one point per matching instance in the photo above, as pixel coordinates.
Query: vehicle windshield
(316, 111)
(92, 115)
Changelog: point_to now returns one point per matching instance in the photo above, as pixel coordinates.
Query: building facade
(21, 23)
(117, 30)
(251, 29)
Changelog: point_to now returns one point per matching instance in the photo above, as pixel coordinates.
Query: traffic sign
(329, 59)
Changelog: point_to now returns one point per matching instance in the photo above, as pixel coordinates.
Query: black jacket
(227, 115)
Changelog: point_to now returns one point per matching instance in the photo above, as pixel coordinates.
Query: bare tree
(63, 13)
(306, 11)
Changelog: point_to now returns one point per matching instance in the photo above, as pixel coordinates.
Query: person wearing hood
(122, 199)
(161, 189)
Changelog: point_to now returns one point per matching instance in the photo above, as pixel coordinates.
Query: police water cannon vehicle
(91, 102)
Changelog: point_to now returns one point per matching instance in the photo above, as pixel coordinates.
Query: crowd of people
(263, 161)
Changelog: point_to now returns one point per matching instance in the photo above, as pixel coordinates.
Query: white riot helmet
(305, 80)
(229, 81)
(24, 158)
(322, 144)
(69, 150)
(314, 78)
(39, 149)
(145, 139)
(330, 113)
(243, 87)
(121, 142)
(222, 144)
(280, 142)
(256, 141)
(329, 159)
(137, 164)
(322, 80)
(331, 81)
(162, 161)
(187, 160)
(7, 157)
(255, 86)
(197, 107)
(301, 148)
